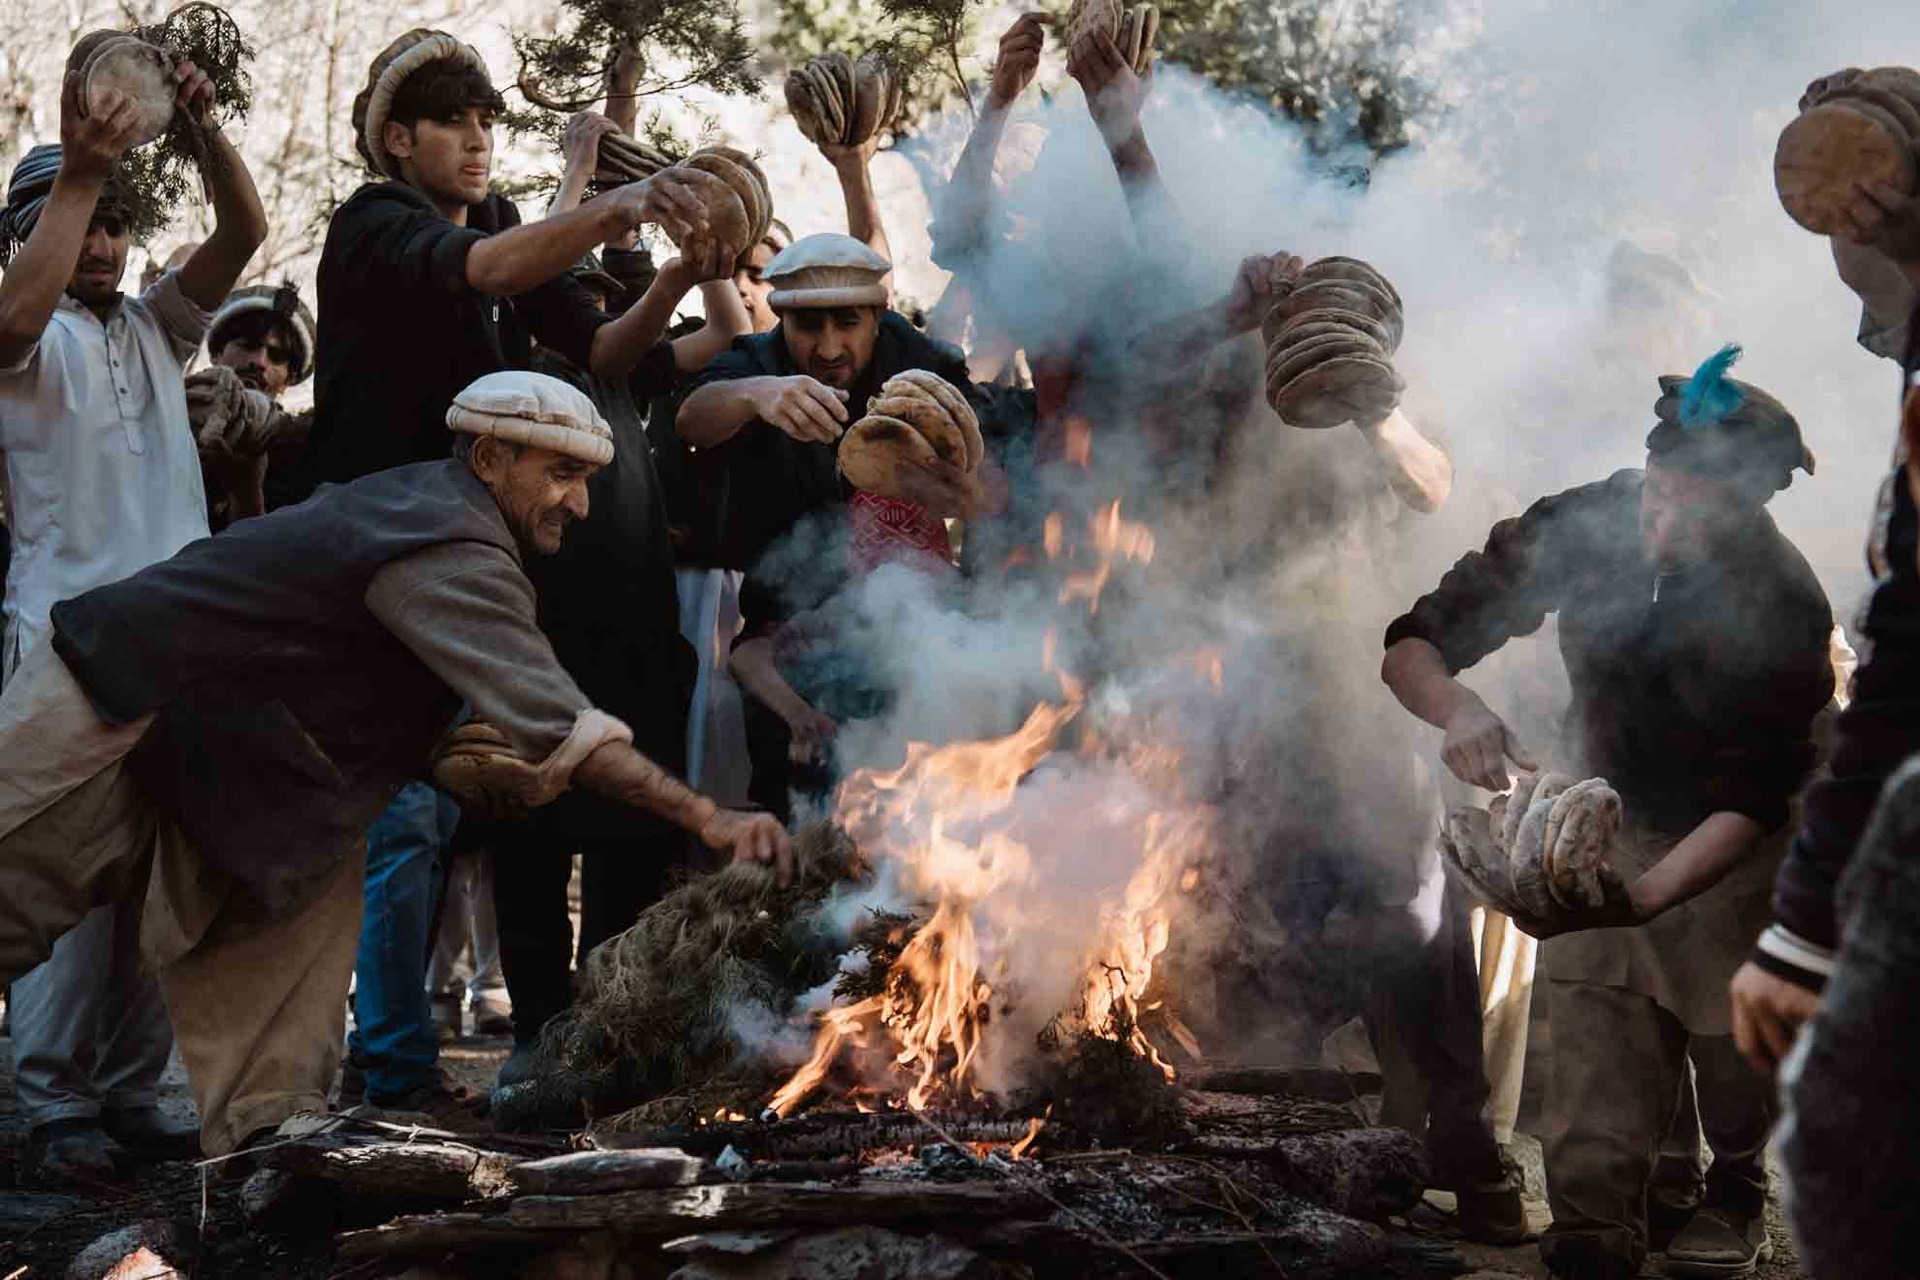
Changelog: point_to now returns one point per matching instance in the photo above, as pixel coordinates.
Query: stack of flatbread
(1330, 346)
(625, 159)
(1541, 850)
(143, 73)
(916, 418)
(748, 184)
(837, 101)
(1133, 30)
(1863, 128)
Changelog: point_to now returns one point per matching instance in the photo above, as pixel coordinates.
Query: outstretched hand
(1019, 59)
(1115, 92)
(194, 94)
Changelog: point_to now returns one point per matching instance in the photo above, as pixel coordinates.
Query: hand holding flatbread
(1856, 130)
(838, 102)
(920, 442)
(1539, 855)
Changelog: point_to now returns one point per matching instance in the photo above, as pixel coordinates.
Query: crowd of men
(505, 552)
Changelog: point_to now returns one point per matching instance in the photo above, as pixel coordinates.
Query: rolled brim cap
(827, 270)
(426, 47)
(533, 409)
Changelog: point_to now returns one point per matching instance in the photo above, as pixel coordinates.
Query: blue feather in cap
(1709, 395)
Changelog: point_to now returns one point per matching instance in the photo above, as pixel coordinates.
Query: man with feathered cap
(243, 710)
(102, 480)
(1695, 639)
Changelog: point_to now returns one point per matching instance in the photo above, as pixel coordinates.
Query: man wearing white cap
(772, 411)
(280, 682)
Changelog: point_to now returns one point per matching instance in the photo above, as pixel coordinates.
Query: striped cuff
(1788, 956)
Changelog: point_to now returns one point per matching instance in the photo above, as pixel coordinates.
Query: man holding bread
(278, 697)
(427, 281)
(776, 408)
(1695, 638)
(102, 480)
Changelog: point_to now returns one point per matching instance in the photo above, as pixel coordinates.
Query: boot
(149, 1135)
(74, 1152)
(1719, 1242)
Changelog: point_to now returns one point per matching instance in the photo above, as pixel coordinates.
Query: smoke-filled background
(1590, 206)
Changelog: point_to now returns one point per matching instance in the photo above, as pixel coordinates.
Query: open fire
(1007, 908)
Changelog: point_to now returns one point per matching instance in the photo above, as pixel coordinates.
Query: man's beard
(253, 378)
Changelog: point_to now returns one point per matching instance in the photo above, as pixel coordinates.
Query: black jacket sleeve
(390, 233)
(1508, 588)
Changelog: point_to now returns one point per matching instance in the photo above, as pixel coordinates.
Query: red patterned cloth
(886, 531)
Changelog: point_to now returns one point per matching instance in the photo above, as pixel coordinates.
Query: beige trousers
(258, 1003)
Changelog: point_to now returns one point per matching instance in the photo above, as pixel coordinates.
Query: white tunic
(102, 473)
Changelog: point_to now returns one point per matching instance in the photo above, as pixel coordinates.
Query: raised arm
(31, 286)
(525, 257)
(1478, 742)
(619, 347)
(961, 227)
(1115, 94)
(580, 144)
(727, 319)
(1419, 471)
(239, 219)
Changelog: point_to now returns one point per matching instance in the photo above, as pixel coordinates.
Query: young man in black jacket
(428, 281)
(1695, 638)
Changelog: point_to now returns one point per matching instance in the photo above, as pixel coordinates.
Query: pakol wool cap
(827, 270)
(283, 302)
(533, 409)
(391, 67)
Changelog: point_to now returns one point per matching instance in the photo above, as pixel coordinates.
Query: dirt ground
(42, 1231)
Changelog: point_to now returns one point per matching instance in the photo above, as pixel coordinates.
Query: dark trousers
(1617, 1071)
(1423, 1016)
(620, 876)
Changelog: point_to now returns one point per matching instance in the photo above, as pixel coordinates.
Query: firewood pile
(1279, 1176)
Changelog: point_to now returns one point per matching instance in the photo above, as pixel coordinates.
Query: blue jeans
(393, 1037)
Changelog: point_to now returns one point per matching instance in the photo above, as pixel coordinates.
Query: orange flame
(1110, 541)
(1034, 1126)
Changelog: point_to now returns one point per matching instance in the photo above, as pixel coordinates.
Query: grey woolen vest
(287, 715)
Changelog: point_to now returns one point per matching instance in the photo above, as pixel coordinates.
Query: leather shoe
(74, 1152)
(147, 1133)
(1492, 1213)
(1719, 1242)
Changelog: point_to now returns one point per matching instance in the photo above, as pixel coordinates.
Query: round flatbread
(930, 420)
(833, 112)
(1580, 873)
(1295, 334)
(1358, 320)
(1873, 93)
(1337, 390)
(802, 107)
(1352, 295)
(1149, 35)
(955, 402)
(1828, 148)
(727, 218)
(141, 73)
(876, 448)
(840, 67)
(1287, 362)
(868, 100)
(1563, 805)
(1904, 81)
(1090, 15)
(739, 180)
(1336, 267)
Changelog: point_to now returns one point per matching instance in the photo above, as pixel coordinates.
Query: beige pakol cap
(533, 409)
(827, 270)
(390, 69)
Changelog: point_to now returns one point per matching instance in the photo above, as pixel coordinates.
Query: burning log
(1322, 1084)
(1362, 1173)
